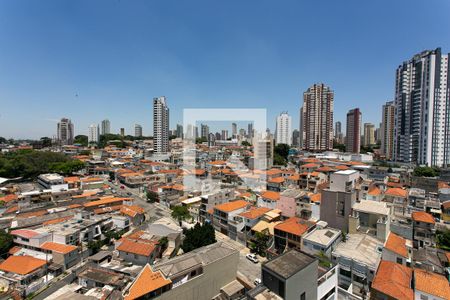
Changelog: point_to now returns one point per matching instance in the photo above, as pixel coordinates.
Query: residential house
(358, 258)
(226, 217)
(423, 229)
(397, 249)
(289, 233)
(392, 281)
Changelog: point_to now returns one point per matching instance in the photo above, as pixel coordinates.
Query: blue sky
(117, 55)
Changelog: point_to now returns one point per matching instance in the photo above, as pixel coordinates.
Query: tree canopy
(180, 213)
(426, 172)
(281, 152)
(6, 242)
(30, 163)
(198, 236)
(152, 196)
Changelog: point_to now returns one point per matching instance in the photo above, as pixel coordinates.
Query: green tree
(245, 144)
(152, 197)
(425, 172)
(200, 140)
(443, 239)
(198, 236)
(81, 139)
(2, 140)
(180, 212)
(29, 163)
(6, 242)
(260, 244)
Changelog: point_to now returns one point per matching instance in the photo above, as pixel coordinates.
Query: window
(399, 260)
(303, 296)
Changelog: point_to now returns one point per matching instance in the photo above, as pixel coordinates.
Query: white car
(257, 281)
(252, 257)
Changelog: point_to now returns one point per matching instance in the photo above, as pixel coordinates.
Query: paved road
(247, 268)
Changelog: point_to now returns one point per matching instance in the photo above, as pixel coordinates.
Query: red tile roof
(254, 213)
(431, 283)
(394, 280)
(26, 233)
(139, 247)
(396, 244)
(421, 216)
(105, 201)
(294, 226)
(132, 210)
(271, 195)
(276, 180)
(22, 264)
(231, 206)
(146, 282)
(59, 248)
(396, 192)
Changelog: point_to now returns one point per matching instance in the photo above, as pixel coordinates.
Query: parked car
(252, 257)
(257, 281)
(122, 187)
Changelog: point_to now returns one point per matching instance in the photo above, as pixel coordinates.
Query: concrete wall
(207, 285)
(304, 281)
(328, 208)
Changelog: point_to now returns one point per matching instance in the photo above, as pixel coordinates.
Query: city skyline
(50, 81)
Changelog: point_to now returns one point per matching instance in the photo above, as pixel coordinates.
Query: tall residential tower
(65, 132)
(160, 125)
(387, 130)
(353, 134)
(422, 123)
(283, 131)
(317, 118)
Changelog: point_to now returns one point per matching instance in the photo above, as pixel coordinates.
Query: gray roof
(201, 256)
(289, 263)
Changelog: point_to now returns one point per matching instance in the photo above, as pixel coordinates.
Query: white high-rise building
(106, 127)
(422, 125)
(317, 118)
(137, 130)
(387, 129)
(160, 125)
(65, 132)
(93, 136)
(283, 131)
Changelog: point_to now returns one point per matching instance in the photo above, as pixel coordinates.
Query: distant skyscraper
(353, 135)
(224, 135)
(137, 130)
(387, 129)
(218, 136)
(369, 134)
(422, 109)
(301, 129)
(283, 131)
(65, 132)
(106, 127)
(122, 132)
(234, 129)
(179, 132)
(204, 131)
(160, 125)
(317, 120)
(337, 129)
(296, 138)
(250, 130)
(338, 136)
(242, 132)
(93, 136)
